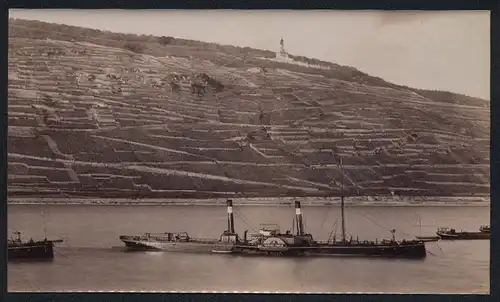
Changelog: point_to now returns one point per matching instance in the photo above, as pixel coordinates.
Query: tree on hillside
(175, 87)
(134, 47)
(166, 40)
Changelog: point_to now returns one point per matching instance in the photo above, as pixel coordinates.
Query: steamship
(414, 248)
(269, 241)
(272, 242)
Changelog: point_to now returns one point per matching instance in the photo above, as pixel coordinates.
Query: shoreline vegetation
(285, 202)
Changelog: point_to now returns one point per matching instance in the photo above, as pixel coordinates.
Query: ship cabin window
(228, 238)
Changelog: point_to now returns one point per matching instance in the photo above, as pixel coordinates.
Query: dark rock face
(180, 119)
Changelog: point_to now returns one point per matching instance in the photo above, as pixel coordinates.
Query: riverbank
(308, 201)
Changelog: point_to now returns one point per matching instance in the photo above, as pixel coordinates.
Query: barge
(453, 234)
(21, 250)
(182, 242)
(485, 229)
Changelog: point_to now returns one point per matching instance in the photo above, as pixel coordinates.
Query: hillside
(102, 114)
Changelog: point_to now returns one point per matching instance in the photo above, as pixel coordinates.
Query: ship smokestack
(230, 218)
(298, 215)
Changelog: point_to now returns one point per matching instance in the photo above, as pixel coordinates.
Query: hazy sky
(432, 50)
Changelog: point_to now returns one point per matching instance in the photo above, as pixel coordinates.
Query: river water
(92, 257)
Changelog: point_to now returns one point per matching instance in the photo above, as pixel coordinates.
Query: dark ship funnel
(298, 216)
(230, 217)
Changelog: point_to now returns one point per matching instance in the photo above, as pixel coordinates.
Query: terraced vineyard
(111, 115)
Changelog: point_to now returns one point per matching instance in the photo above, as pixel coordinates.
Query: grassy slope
(127, 115)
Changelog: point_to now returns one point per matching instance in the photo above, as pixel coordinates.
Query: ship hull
(464, 236)
(38, 251)
(410, 251)
(169, 246)
(414, 251)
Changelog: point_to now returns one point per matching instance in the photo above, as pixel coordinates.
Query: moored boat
(19, 249)
(452, 234)
(485, 229)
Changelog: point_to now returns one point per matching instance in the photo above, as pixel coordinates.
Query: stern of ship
(413, 251)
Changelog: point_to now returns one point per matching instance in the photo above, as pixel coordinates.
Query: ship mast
(342, 199)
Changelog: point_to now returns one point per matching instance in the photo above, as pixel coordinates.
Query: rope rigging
(334, 229)
(245, 220)
(372, 220)
(325, 215)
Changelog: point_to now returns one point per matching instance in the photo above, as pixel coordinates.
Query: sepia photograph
(249, 151)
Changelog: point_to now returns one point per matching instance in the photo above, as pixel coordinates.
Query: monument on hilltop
(282, 52)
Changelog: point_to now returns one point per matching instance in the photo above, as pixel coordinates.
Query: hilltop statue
(282, 48)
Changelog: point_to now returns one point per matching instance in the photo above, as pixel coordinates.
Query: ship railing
(188, 239)
(367, 242)
(180, 234)
(165, 238)
(205, 240)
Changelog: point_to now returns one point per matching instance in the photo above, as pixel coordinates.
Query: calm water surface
(92, 257)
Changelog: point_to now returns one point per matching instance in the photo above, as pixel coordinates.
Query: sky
(447, 50)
